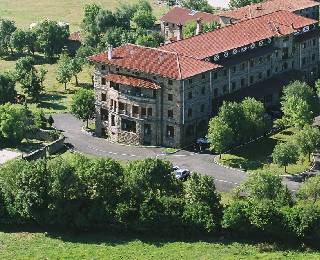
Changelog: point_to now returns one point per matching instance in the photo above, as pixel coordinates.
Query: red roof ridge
(185, 8)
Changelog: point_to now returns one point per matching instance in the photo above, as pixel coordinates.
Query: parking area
(7, 155)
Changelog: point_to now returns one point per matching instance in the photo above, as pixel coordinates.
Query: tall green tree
(241, 3)
(310, 190)
(189, 29)
(143, 19)
(199, 5)
(220, 135)
(7, 88)
(31, 41)
(75, 67)
(83, 105)
(64, 70)
(308, 139)
(7, 27)
(28, 76)
(18, 40)
(285, 154)
(51, 37)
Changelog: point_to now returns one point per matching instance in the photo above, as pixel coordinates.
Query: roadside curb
(215, 161)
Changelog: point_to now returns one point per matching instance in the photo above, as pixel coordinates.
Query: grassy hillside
(28, 245)
(24, 12)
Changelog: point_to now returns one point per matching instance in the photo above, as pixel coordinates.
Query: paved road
(226, 179)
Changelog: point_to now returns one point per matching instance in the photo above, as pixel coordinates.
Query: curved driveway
(225, 179)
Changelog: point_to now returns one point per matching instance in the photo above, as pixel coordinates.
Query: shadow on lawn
(39, 59)
(51, 101)
(115, 237)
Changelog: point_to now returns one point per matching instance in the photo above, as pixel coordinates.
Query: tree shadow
(38, 58)
(115, 237)
(50, 101)
(85, 85)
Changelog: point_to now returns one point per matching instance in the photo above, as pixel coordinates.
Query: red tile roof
(154, 61)
(131, 81)
(256, 10)
(240, 34)
(180, 15)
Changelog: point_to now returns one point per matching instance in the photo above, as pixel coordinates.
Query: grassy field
(257, 156)
(34, 245)
(25, 12)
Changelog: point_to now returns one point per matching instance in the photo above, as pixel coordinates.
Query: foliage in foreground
(86, 193)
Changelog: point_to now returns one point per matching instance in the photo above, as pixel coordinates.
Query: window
(215, 92)
(103, 81)
(154, 77)
(304, 45)
(203, 90)
(225, 72)
(113, 123)
(154, 94)
(203, 76)
(147, 129)
(190, 81)
(242, 82)
(234, 69)
(243, 65)
(314, 42)
(215, 75)
(149, 111)
(121, 106)
(170, 82)
(304, 61)
(117, 69)
(225, 87)
(170, 97)
(170, 131)
(103, 67)
(128, 125)
(143, 111)
(135, 110)
(285, 39)
(103, 97)
(268, 72)
(202, 108)
(170, 113)
(251, 79)
(284, 66)
(104, 114)
(190, 95)
(189, 112)
(233, 85)
(260, 75)
(260, 60)
(313, 57)
(251, 63)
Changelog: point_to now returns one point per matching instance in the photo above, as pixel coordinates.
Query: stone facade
(177, 112)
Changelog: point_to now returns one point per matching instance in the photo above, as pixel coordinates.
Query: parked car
(182, 174)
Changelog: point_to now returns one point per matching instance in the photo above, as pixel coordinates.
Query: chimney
(180, 33)
(199, 26)
(110, 52)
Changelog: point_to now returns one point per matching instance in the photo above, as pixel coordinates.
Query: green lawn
(257, 156)
(30, 245)
(25, 12)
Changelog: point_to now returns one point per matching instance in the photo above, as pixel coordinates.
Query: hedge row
(85, 193)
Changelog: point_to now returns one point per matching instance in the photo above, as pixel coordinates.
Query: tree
(13, 123)
(76, 68)
(199, 5)
(42, 75)
(241, 3)
(220, 135)
(50, 120)
(7, 27)
(83, 105)
(28, 76)
(296, 112)
(202, 209)
(150, 40)
(285, 154)
(7, 88)
(64, 70)
(18, 40)
(51, 37)
(189, 29)
(308, 140)
(310, 190)
(31, 41)
(299, 104)
(211, 26)
(254, 116)
(143, 19)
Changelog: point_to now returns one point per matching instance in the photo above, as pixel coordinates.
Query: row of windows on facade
(124, 108)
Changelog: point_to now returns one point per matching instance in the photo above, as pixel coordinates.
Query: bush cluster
(87, 193)
(82, 193)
